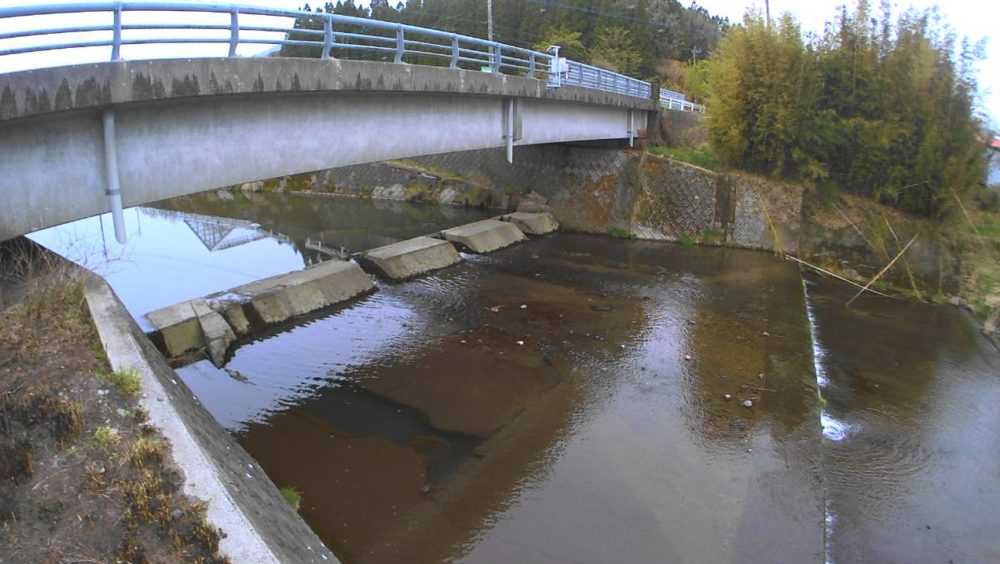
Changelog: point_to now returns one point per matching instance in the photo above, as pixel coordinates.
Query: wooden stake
(906, 263)
(841, 278)
(883, 271)
(779, 249)
(856, 228)
(968, 218)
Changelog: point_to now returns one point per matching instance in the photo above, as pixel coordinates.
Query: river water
(588, 399)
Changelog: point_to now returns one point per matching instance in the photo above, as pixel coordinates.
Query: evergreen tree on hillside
(634, 36)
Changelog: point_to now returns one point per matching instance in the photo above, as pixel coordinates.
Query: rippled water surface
(563, 400)
(580, 398)
(911, 456)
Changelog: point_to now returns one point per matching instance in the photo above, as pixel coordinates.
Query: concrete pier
(533, 223)
(484, 236)
(409, 258)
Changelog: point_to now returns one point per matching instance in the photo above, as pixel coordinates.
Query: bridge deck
(184, 126)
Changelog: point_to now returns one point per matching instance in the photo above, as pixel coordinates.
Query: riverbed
(587, 399)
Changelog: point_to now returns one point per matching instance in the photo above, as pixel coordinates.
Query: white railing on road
(24, 30)
(671, 100)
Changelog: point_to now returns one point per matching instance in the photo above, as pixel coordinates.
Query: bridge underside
(54, 167)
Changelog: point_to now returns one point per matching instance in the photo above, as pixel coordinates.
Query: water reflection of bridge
(320, 246)
(220, 233)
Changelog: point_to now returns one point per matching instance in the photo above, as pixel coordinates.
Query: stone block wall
(590, 189)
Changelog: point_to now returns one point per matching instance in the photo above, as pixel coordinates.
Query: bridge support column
(508, 128)
(113, 189)
(631, 128)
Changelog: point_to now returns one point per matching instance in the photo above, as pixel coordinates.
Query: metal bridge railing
(671, 100)
(335, 36)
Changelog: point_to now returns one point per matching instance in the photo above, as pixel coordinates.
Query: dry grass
(82, 476)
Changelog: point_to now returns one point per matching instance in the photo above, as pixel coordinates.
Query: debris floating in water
(747, 403)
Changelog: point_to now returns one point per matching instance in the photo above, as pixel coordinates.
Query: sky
(972, 18)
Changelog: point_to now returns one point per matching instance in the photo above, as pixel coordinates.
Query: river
(586, 399)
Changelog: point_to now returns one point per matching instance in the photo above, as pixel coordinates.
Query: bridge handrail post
(234, 30)
(531, 65)
(495, 56)
(116, 41)
(453, 64)
(400, 45)
(327, 36)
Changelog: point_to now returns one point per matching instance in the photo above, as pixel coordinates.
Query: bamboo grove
(876, 107)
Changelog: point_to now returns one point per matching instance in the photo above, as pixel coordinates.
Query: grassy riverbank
(83, 477)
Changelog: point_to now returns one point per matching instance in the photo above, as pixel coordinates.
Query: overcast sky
(973, 18)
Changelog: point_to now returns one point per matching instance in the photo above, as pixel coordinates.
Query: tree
(875, 107)
(570, 43)
(615, 50)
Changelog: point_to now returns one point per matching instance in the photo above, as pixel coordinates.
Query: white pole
(509, 126)
(114, 190)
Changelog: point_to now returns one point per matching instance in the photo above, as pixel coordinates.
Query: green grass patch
(988, 225)
(711, 237)
(619, 232)
(127, 381)
(145, 449)
(431, 170)
(986, 276)
(293, 496)
(105, 436)
(704, 158)
(686, 240)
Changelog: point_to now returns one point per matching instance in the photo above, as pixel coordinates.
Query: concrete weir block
(232, 311)
(191, 326)
(533, 223)
(409, 258)
(281, 297)
(485, 236)
(178, 327)
(216, 331)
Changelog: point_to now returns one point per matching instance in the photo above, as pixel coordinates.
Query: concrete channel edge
(258, 525)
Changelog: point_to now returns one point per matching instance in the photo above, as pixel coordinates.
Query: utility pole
(489, 32)
(767, 12)
(489, 20)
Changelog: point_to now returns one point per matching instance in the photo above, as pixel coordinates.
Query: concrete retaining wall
(258, 525)
(592, 189)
